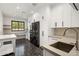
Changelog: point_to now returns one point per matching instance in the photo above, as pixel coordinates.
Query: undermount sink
(63, 46)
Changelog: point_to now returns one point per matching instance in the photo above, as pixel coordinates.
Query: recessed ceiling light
(18, 8)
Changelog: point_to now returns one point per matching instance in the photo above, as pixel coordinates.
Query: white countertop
(7, 36)
(73, 52)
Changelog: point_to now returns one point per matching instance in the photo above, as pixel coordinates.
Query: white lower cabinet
(47, 53)
(6, 47)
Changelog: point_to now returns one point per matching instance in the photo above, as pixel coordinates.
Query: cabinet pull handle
(1, 44)
(55, 24)
(7, 42)
(62, 23)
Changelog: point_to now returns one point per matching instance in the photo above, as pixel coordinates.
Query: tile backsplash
(60, 32)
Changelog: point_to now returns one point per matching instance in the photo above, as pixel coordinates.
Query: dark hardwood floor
(25, 48)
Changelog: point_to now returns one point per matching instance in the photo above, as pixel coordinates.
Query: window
(17, 25)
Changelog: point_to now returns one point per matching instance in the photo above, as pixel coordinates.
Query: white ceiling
(20, 9)
(23, 9)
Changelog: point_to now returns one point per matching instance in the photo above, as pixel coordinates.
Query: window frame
(18, 29)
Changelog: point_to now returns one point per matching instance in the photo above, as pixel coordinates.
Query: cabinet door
(75, 18)
(59, 15)
(66, 21)
(52, 23)
(56, 16)
(53, 18)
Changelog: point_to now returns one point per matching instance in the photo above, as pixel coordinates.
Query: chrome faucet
(76, 36)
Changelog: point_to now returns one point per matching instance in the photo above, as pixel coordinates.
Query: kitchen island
(7, 44)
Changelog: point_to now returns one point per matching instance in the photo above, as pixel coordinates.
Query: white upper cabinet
(75, 18)
(59, 16)
(56, 16)
(66, 17)
(63, 15)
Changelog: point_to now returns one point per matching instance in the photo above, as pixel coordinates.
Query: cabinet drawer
(7, 42)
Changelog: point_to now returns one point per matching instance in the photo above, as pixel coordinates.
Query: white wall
(1, 23)
(7, 21)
